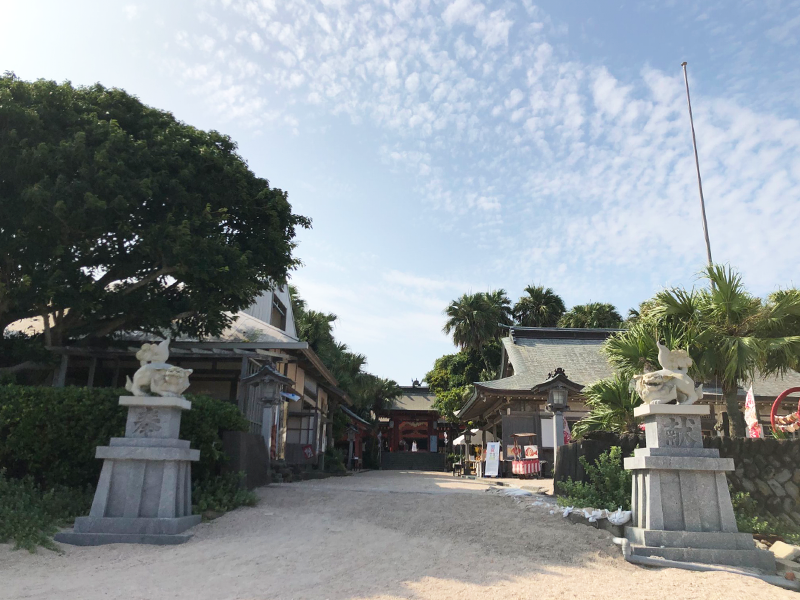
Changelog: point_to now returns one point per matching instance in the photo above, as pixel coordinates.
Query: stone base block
(101, 539)
(753, 559)
(714, 540)
(128, 526)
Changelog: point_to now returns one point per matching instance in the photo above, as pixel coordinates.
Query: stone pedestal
(681, 505)
(144, 495)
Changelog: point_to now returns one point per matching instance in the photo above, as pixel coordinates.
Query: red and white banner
(525, 467)
(751, 416)
(567, 433)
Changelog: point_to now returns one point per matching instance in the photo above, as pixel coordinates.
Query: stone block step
(754, 559)
(714, 540)
(101, 539)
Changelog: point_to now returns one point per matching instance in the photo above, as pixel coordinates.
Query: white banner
(492, 459)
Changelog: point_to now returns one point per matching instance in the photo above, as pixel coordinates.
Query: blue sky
(450, 146)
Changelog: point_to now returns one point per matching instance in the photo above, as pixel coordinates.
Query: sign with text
(308, 451)
(492, 459)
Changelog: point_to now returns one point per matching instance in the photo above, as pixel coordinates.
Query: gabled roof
(415, 398)
(534, 359)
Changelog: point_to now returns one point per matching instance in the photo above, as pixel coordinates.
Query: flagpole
(697, 166)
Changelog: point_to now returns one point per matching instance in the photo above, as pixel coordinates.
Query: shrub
(222, 493)
(750, 520)
(51, 433)
(609, 484)
(202, 426)
(29, 516)
(334, 461)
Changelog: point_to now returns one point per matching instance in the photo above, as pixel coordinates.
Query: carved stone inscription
(681, 432)
(147, 421)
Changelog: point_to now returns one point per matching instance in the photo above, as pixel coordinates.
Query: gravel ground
(377, 535)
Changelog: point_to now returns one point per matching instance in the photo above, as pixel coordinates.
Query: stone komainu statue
(156, 374)
(672, 383)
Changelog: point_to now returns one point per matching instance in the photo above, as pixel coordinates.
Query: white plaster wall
(262, 309)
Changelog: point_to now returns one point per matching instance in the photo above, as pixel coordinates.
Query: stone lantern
(557, 387)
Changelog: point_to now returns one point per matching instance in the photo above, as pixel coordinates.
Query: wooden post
(115, 378)
(92, 369)
(61, 377)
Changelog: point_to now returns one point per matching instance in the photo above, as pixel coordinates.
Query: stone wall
(769, 470)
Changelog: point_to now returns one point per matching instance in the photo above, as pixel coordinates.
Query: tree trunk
(735, 416)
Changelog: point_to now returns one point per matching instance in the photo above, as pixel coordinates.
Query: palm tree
(731, 335)
(474, 319)
(595, 315)
(500, 305)
(542, 307)
(611, 402)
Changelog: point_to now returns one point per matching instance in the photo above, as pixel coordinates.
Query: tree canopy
(117, 216)
(452, 376)
(541, 307)
(595, 315)
(477, 319)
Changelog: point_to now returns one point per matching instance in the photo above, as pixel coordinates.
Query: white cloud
(494, 30)
(412, 83)
(131, 11)
(462, 11)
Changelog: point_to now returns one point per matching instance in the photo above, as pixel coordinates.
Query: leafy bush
(334, 461)
(750, 520)
(29, 516)
(222, 493)
(609, 484)
(51, 433)
(202, 426)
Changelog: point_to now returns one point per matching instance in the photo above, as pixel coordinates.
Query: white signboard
(492, 459)
(547, 432)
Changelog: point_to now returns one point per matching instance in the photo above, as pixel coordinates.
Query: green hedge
(51, 433)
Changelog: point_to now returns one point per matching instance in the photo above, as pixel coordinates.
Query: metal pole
(697, 165)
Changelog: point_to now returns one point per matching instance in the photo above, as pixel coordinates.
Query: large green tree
(731, 335)
(595, 315)
(117, 216)
(452, 376)
(541, 307)
(475, 320)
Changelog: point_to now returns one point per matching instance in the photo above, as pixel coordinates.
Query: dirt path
(373, 536)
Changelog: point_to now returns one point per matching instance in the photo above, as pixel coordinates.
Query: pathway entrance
(373, 536)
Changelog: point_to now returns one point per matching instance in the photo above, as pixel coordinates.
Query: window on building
(300, 430)
(278, 317)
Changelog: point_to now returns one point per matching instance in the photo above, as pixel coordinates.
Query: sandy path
(377, 535)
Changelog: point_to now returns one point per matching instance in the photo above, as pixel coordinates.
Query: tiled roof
(415, 398)
(534, 359)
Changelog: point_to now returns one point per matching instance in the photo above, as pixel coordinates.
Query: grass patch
(30, 516)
